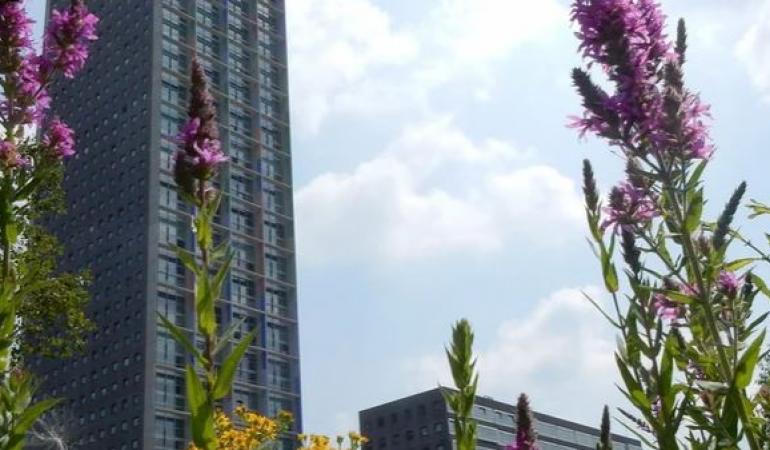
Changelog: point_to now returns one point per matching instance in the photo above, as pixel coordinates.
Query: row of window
(209, 40)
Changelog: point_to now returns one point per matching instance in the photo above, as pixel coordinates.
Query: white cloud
(560, 354)
(434, 191)
(347, 56)
(335, 44)
(753, 49)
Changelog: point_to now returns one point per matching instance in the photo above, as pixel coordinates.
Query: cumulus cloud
(753, 49)
(350, 57)
(434, 191)
(560, 353)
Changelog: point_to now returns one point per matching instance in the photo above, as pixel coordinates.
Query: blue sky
(435, 180)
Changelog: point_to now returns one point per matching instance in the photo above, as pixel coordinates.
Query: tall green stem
(703, 294)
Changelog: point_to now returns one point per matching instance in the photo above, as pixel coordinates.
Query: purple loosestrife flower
(15, 34)
(626, 38)
(60, 139)
(666, 308)
(201, 153)
(728, 283)
(10, 157)
(629, 206)
(526, 438)
(65, 46)
(695, 137)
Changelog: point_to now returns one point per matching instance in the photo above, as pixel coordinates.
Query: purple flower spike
(201, 153)
(665, 308)
(728, 283)
(67, 38)
(60, 139)
(629, 206)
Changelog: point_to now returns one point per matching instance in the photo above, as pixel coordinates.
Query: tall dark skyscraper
(125, 217)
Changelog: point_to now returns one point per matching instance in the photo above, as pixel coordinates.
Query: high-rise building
(125, 216)
(424, 421)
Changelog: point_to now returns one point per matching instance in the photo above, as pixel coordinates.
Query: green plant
(463, 366)
(196, 163)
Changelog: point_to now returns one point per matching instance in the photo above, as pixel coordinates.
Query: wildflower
(666, 308)
(69, 33)
(60, 139)
(15, 33)
(626, 38)
(200, 152)
(629, 206)
(10, 157)
(728, 283)
(526, 438)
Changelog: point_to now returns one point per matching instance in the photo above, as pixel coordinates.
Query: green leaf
(635, 392)
(204, 306)
(692, 183)
(667, 371)
(180, 336)
(694, 212)
(609, 272)
(679, 297)
(227, 335)
(748, 362)
(738, 264)
(227, 372)
(188, 259)
(201, 412)
(760, 284)
(24, 422)
(221, 275)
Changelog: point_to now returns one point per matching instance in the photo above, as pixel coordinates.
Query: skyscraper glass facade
(126, 217)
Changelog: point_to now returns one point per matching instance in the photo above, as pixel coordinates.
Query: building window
(273, 230)
(275, 266)
(242, 291)
(242, 220)
(278, 404)
(278, 374)
(277, 337)
(169, 391)
(244, 256)
(169, 352)
(170, 271)
(247, 369)
(242, 186)
(244, 398)
(276, 301)
(169, 433)
(170, 229)
(171, 306)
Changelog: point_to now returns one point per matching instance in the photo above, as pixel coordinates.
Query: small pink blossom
(60, 139)
(728, 283)
(666, 308)
(67, 38)
(629, 206)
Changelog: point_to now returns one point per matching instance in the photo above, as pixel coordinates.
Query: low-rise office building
(425, 422)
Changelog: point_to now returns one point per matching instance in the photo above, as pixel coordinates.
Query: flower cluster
(67, 39)
(629, 206)
(666, 308)
(526, 437)
(322, 442)
(649, 112)
(60, 139)
(201, 152)
(26, 75)
(256, 431)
